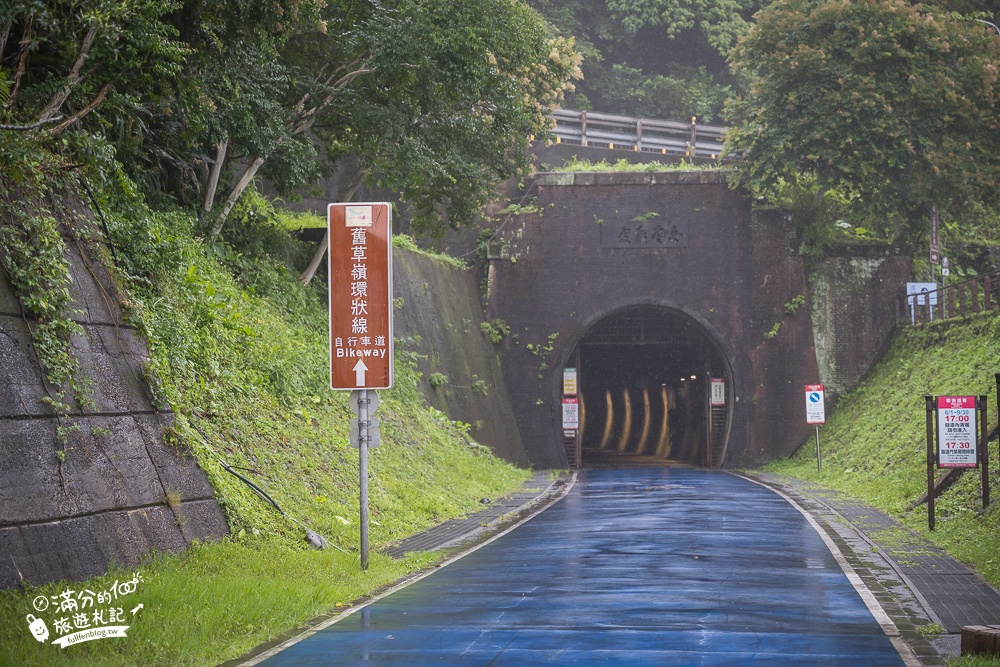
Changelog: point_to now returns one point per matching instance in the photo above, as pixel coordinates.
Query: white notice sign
(815, 407)
(569, 381)
(718, 392)
(956, 419)
(571, 413)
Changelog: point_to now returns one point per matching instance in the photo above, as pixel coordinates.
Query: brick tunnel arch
(644, 374)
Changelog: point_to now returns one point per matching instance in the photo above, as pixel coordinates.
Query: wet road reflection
(664, 566)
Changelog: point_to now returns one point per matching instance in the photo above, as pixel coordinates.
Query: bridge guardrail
(587, 128)
(974, 295)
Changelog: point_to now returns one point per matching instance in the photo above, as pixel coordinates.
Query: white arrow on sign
(359, 373)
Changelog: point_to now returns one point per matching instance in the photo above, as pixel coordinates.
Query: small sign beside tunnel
(718, 392)
(569, 381)
(571, 413)
(815, 404)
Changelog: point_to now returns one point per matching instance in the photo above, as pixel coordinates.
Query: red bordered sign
(957, 418)
(815, 404)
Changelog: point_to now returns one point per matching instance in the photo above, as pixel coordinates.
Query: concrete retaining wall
(439, 317)
(82, 491)
(853, 311)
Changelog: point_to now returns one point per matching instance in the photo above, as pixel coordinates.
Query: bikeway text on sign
(360, 272)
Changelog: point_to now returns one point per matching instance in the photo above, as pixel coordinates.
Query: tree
(437, 98)
(440, 99)
(238, 90)
(455, 90)
(59, 62)
(886, 108)
(653, 58)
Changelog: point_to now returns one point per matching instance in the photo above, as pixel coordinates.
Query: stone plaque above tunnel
(645, 232)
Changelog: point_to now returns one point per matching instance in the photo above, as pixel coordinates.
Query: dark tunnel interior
(643, 377)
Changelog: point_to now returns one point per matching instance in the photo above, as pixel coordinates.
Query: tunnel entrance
(645, 390)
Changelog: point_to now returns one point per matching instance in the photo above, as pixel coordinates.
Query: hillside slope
(238, 349)
(874, 441)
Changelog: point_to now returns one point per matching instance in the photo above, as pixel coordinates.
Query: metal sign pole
(363, 458)
(986, 450)
(984, 454)
(929, 402)
(819, 462)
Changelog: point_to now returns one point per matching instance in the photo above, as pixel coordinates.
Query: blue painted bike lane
(658, 566)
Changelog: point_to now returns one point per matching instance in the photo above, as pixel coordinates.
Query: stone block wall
(99, 485)
(853, 299)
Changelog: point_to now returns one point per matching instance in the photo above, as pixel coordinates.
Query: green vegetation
(495, 330)
(931, 629)
(238, 349)
(869, 116)
(793, 306)
(479, 385)
(656, 58)
(406, 242)
(216, 601)
(523, 209)
(293, 221)
(874, 443)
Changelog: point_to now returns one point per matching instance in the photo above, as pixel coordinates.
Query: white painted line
(888, 627)
(257, 659)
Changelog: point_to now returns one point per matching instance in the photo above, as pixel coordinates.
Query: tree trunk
(74, 78)
(22, 61)
(241, 185)
(91, 105)
(4, 33)
(348, 193)
(213, 178)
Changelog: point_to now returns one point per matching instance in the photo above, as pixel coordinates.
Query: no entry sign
(957, 428)
(360, 271)
(815, 406)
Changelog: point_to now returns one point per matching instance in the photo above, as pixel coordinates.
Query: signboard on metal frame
(957, 432)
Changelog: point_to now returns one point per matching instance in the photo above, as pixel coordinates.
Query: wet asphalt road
(657, 566)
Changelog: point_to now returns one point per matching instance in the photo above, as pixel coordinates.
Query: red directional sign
(360, 271)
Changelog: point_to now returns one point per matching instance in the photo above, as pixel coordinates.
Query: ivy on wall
(33, 254)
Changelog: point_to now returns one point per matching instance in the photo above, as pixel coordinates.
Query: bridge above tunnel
(652, 285)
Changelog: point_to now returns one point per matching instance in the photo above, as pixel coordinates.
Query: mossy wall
(853, 299)
(95, 485)
(438, 315)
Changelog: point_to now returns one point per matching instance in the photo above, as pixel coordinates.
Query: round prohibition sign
(814, 397)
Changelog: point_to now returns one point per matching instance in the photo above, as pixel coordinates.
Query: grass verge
(239, 351)
(874, 443)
